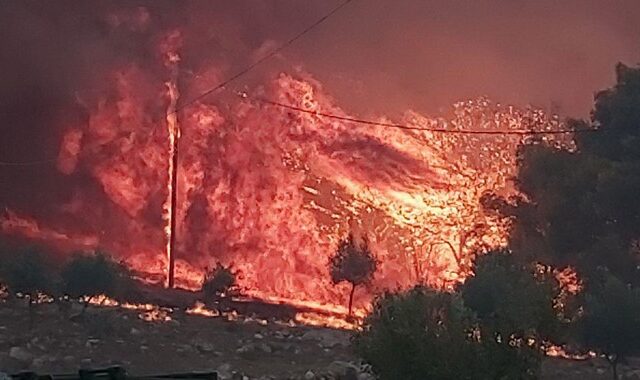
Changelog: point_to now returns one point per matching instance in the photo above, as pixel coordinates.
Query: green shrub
(610, 324)
(93, 274)
(511, 300)
(28, 272)
(423, 334)
(419, 334)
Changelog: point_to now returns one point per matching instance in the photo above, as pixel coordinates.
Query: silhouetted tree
(580, 207)
(29, 273)
(220, 279)
(88, 275)
(353, 262)
(424, 334)
(611, 321)
(511, 299)
(514, 304)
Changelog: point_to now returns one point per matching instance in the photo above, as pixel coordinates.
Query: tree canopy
(93, 274)
(581, 207)
(353, 262)
(511, 299)
(425, 334)
(611, 318)
(28, 272)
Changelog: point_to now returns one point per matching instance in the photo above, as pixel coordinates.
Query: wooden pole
(174, 195)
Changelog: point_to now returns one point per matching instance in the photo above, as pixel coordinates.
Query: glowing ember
(148, 312)
(559, 352)
(155, 315)
(569, 280)
(320, 320)
(337, 310)
(101, 300)
(200, 309)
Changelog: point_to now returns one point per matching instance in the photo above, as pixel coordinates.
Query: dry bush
(219, 281)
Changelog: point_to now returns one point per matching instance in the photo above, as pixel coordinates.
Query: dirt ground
(256, 350)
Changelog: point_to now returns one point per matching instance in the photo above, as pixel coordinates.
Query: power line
(271, 54)
(224, 83)
(523, 132)
(27, 163)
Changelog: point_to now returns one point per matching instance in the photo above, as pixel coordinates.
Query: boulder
(327, 338)
(344, 370)
(20, 354)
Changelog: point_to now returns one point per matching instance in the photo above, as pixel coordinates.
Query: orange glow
(148, 312)
(334, 322)
(200, 309)
(559, 352)
(271, 192)
(569, 280)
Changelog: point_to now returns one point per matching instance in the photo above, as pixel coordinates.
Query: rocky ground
(237, 349)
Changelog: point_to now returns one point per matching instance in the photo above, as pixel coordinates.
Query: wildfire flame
(147, 312)
(272, 191)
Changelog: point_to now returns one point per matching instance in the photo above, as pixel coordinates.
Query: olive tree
(353, 262)
(87, 275)
(610, 324)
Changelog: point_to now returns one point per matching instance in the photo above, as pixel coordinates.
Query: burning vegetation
(469, 244)
(270, 190)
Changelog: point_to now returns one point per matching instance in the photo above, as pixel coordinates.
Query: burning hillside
(267, 190)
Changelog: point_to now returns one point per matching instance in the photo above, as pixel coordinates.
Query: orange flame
(272, 192)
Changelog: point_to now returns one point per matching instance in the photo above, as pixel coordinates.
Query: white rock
(344, 369)
(224, 371)
(204, 347)
(266, 348)
(327, 338)
(309, 375)
(20, 354)
(38, 362)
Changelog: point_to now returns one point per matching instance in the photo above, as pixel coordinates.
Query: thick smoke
(375, 56)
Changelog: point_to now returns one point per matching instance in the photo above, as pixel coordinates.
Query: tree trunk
(31, 313)
(64, 306)
(85, 305)
(353, 290)
(613, 361)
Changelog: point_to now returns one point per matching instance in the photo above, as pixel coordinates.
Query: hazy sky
(426, 54)
(375, 56)
(390, 55)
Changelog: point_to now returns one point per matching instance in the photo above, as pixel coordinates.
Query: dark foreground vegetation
(579, 208)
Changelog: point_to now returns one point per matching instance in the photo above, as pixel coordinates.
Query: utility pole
(174, 195)
(173, 129)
